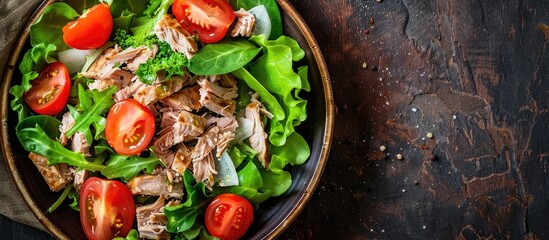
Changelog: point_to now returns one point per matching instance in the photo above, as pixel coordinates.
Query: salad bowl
(272, 217)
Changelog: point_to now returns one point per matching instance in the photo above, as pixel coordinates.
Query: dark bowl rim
(286, 7)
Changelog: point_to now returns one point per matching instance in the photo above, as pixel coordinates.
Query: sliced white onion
(226, 172)
(262, 21)
(74, 58)
(244, 130)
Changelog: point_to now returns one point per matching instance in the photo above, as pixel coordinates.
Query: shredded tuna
(216, 104)
(202, 157)
(228, 81)
(258, 139)
(80, 144)
(148, 94)
(151, 220)
(188, 126)
(222, 92)
(80, 177)
(78, 140)
(102, 65)
(128, 91)
(244, 25)
(204, 169)
(177, 127)
(169, 30)
(57, 176)
(182, 159)
(187, 99)
(118, 78)
(165, 156)
(126, 54)
(227, 127)
(133, 57)
(67, 122)
(155, 185)
(141, 57)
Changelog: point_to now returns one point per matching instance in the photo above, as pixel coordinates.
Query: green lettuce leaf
(197, 231)
(275, 71)
(143, 26)
(48, 27)
(132, 235)
(118, 7)
(267, 98)
(93, 113)
(182, 217)
(122, 22)
(223, 57)
(127, 167)
(36, 134)
(275, 183)
(80, 5)
(251, 181)
(272, 9)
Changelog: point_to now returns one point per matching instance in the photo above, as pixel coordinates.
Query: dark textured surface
(474, 74)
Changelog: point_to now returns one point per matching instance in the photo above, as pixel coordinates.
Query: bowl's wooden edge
(6, 151)
(329, 105)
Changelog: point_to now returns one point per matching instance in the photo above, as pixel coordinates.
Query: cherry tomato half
(130, 127)
(91, 30)
(229, 216)
(50, 91)
(107, 209)
(209, 18)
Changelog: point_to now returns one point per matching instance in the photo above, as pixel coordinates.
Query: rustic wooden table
(459, 90)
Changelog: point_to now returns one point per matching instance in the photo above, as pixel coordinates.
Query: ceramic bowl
(274, 215)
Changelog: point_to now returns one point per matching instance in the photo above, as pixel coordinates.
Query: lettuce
(223, 57)
(143, 26)
(94, 105)
(272, 9)
(274, 70)
(127, 167)
(35, 134)
(48, 28)
(273, 78)
(182, 217)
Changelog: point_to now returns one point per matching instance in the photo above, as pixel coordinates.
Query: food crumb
(364, 65)
(374, 68)
(430, 135)
(367, 31)
(399, 156)
(416, 183)
(382, 148)
(378, 1)
(414, 109)
(372, 20)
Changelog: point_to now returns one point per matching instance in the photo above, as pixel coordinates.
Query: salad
(162, 118)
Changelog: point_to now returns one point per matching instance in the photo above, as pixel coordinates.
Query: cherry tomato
(130, 127)
(229, 216)
(50, 91)
(107, 209)
(209, 18)
(91, 30)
